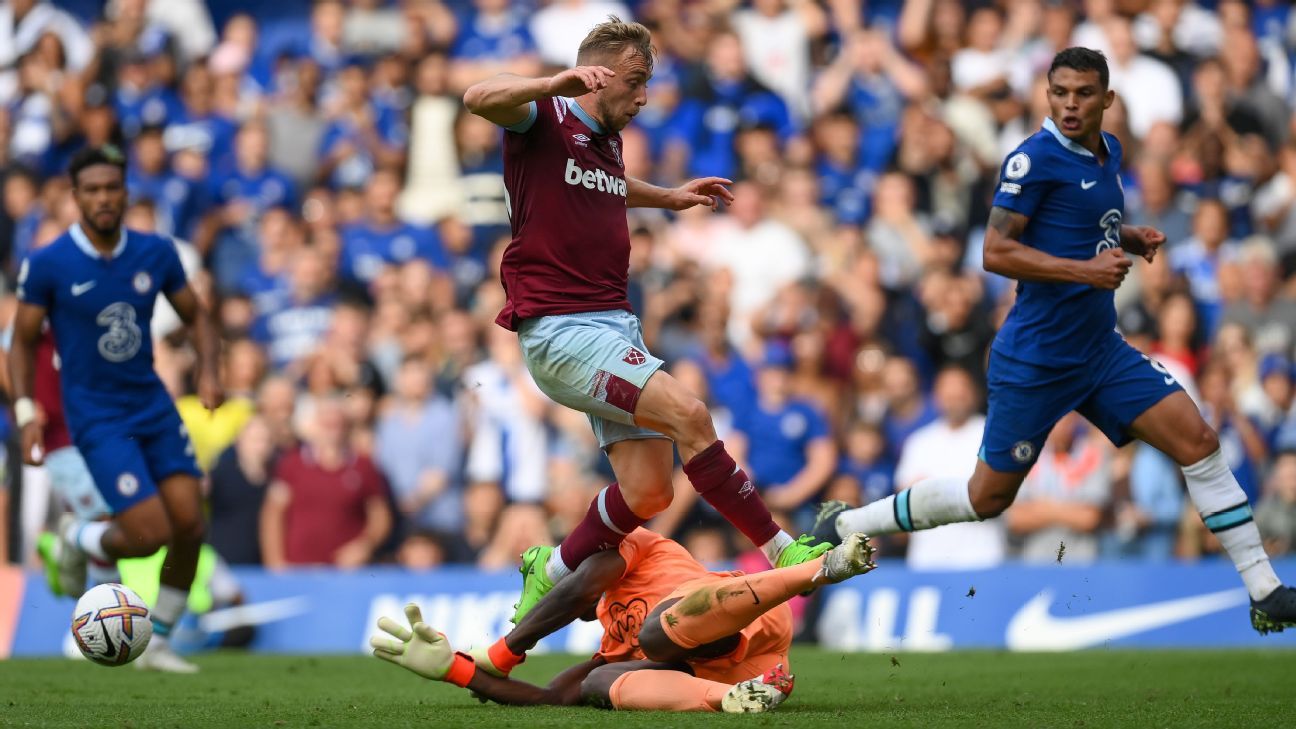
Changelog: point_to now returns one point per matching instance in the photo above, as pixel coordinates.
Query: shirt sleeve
(816, 425)
(524, 126)
(173, 274)
(36, 282)
(1022, 184)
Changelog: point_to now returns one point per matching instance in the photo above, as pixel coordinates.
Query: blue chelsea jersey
(99, 309)
(1075, 205)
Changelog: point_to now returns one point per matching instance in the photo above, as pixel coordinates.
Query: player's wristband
(503, 657)
(461, 671)
(24, 412)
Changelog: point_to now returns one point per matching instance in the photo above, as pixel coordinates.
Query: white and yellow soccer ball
(111, 625)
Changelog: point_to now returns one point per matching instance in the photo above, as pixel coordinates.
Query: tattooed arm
(1006, 255)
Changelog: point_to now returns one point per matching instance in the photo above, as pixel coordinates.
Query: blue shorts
(596, 363)
(1118, 384)
(128, 463)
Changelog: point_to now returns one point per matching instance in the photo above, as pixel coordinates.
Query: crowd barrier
(1013, 607)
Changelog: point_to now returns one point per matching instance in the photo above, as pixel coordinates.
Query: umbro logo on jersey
(81, 288)
(1086, 184)
(581, 139)
(591, 179)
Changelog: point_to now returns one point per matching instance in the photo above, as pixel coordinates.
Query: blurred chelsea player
(97, 283)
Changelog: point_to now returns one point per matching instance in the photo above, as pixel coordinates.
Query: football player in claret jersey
(1056, 227)
(97, 285)
(565, 276)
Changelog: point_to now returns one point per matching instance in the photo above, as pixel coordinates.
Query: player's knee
(147, 539)
(652, 501)
(1201, 444)
(695, 419)
(989, 503)
(596, 688)
(187, 530)
(653, 640)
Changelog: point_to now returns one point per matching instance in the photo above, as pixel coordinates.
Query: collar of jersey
(82, 242)
(1070, 144)
(585, 118)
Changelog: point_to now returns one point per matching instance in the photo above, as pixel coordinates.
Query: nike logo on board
(1034, 628)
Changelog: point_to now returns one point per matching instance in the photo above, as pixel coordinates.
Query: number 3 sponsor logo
(1111, 225)
(123, 338)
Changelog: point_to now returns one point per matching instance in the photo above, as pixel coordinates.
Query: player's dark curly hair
(1082, 59)
(108, 154)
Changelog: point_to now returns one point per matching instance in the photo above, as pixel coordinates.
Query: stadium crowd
(331, 194)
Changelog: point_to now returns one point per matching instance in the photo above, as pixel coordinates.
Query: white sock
(88, 537)
(929, 503)
(171, 602)
(556, 568)
(774, 547)
(101, 573)
(1223, 507)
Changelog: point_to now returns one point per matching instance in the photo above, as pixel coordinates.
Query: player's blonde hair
(610, 38)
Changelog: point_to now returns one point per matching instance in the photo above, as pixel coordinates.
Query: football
(111, 625)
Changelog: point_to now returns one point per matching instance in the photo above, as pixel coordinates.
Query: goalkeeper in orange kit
(676, 637)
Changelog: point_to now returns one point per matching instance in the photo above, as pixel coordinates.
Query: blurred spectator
(956, 436)
(1268, 403)
(508, 446)
(419, 448)
(421, 551)
(23, 23)
(212, 431)
(559, 27)
(1155, 203)
(294, 122)
(1061, 503)
(382, 239)
(790, 452)
(724, 98)
(1276, 513)
(1242, 444)
(360, 136)
(760, 255)
(326, 505)
(1199, 258)
(776, 43)
(1148, 87)
(1147, 518)
(907, 406)
(864, 473)
(1268, 315)
(293, 327)
(493, 38)
(236, 489)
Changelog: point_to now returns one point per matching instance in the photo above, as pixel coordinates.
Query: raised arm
(504, 99)
(1006, 255)
(22, 375)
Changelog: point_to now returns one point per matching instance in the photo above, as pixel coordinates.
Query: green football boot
(804, 549)
(535, 581)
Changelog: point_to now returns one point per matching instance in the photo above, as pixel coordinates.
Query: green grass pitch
(1101, 688)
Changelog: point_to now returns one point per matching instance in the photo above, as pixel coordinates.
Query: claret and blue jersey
(1059, 350)
(99, 308)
